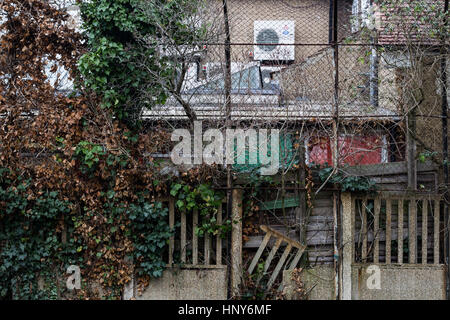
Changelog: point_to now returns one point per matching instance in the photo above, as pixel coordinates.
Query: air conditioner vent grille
(266, 38)
(274, 40)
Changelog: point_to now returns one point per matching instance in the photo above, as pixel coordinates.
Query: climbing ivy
(346, 182)
(30, 234)
(207, 201)
(149, 232)
(124, 64)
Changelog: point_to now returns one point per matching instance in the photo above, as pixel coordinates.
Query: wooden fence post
(236, 243)
(348, 243)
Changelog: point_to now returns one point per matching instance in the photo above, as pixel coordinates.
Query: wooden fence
(186, 248)
(397, 229)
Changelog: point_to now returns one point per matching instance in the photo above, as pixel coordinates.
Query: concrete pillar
(129, 290)
(236, 243)
(348, 245)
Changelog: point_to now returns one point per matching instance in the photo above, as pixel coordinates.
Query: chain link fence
(348, 83)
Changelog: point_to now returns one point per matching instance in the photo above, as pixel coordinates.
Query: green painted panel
(278, 204)
(286, 155)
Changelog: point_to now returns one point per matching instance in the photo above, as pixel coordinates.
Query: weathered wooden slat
(388, 230)
(322, 212)
(201, 266)
(317, 239)
(207, 252)
(412, 230)
(171, 225)
(194, 237)
(279, 265)
(259, 252)
(436, 231)
(322, 202)
(278, 204)
(424, 231)
(397, 179)
(272, 254)
(382, 236)
(388, 168)
(219, 238)
(400, 232)
(364, 229)
(183, 237)
(352, 228)
(282, 236)
(296, 259)
(376, 230)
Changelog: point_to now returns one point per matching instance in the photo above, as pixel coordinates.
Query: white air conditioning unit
(274, 40)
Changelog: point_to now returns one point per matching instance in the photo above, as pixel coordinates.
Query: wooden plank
(259, 252)
(236, 272)
(364, 230)
(207, 248)
(296, 259)
(412, 230)
(171, 225)
(376, 230)
(382, 237)
(323, 212)
(194, 237)
(427, 166)
(183, 237)
(318, 239)
(388, 230)
(436, 231)
(424, 231)
(352, 234)
(302, 208)
(272, 254)
(377, 169)
(279, 265)
(388, 168)
(282, 236)
(198, 266)
(322, 202)
(406, 195)
(278, 204)
(400, 232)
(219, 238)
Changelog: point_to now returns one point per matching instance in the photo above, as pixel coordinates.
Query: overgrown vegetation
(346, 182)
(77, 183)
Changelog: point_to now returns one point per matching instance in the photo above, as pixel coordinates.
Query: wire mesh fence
(348, 83)
(356, 82)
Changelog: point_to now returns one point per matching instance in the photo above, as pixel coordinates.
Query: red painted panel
(353, 150)
(358, 150)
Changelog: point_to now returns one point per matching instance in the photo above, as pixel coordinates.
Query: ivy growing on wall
(86, 195)
(204, 199)
(347, 182)
(32, 249)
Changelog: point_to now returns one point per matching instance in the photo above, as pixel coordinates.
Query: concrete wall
(192, 284)
(400, 283)
(320, 280)
(414, 282)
